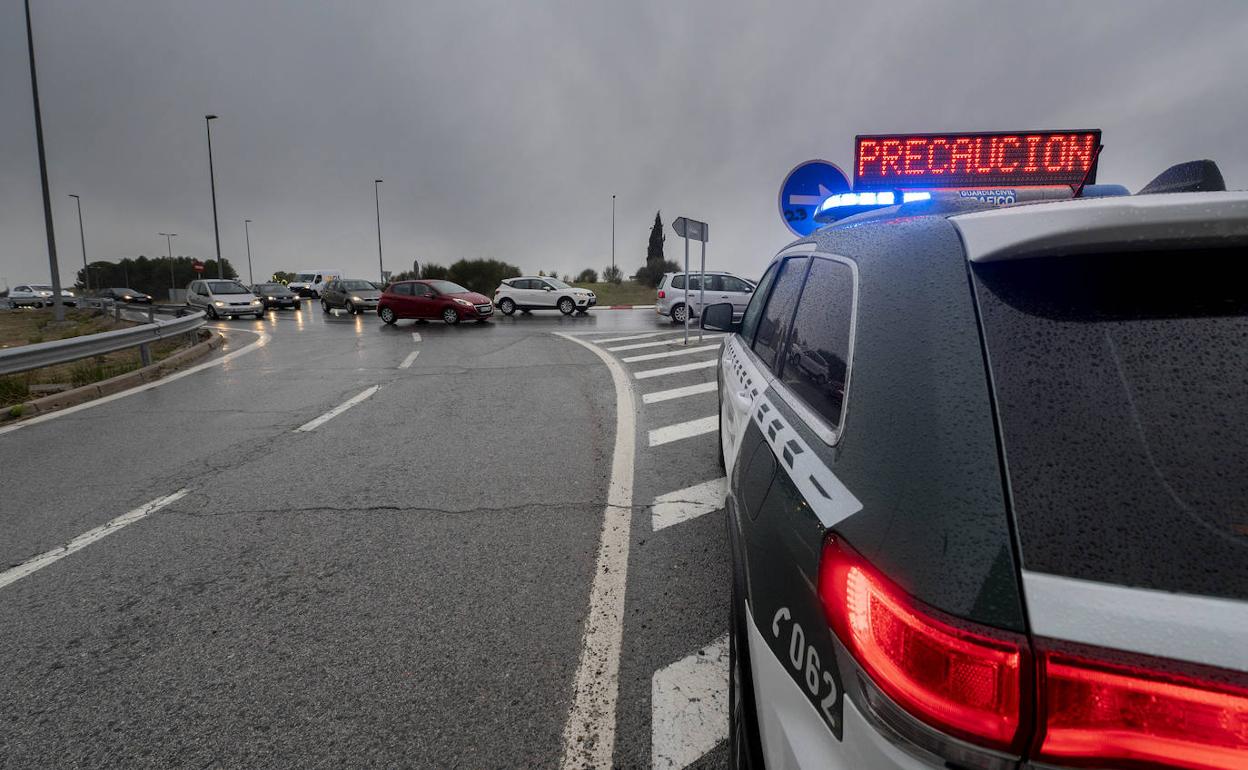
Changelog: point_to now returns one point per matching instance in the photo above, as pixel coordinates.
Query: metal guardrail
(26, 357)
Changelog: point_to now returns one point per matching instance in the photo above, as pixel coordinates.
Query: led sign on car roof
(897, 161)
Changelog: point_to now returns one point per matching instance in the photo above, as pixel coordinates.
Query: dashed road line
(666, 370)
(669, 354)
(589, 735)
(654, 344)
(689, 707)
(415, 336)
(407, 362)
(29, 566)
(683, 430)
(688, 503)
(630, 337)
(332, 413)
(667, 395)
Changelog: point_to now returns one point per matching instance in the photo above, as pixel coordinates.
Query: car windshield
(447, 287)
(273, 288)
(558, 284)
(41, 287)
(357, 285)
(227, 287)
(131, 292)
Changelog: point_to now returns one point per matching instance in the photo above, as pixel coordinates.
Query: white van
(308, 283)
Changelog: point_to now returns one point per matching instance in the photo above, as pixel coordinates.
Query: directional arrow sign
(806, 186)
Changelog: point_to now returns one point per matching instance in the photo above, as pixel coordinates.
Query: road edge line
(263, 340)
(589, 733)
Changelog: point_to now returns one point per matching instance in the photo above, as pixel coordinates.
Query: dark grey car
(354, 295)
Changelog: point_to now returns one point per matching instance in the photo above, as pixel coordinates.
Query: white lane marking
(655, 344)
(263, 340)
(630, 337)
(669, 354)
(589, 735)
(648, 373)
(682, 430)
(688, 503)
(668, 395)
(407, 362)
(689, 707)
(332, 413)
(29, 566)
(415, 336)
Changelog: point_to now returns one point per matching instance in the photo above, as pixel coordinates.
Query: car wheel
(566, 306)
(387, 315)
(507, 305)
(324, 306)
(450, 316)
(678, 314)
(351, 307)
(744, 749)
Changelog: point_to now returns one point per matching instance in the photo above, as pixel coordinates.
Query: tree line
(150, 276)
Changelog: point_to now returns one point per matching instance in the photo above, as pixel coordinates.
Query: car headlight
(462, 301)
(218, 303)
(272, 298)
(355, 298)
(255, 302)
(126, 296)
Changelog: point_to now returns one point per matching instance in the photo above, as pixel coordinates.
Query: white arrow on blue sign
(805, 187)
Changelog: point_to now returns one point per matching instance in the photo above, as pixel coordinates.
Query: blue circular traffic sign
(806, 186)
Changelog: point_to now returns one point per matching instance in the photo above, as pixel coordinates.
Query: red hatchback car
(433, 299)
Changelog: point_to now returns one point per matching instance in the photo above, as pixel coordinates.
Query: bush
(588, 275)
(613, 274)
(481, 275)
(434, 272)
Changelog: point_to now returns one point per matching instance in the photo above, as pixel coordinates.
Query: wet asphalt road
(404, 585)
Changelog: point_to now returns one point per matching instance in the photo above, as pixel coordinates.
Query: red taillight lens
(1102, 714)
(662, 294)
(964, 680)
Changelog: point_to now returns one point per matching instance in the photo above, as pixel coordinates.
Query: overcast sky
(502, 129)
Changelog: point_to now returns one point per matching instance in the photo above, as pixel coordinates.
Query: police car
(988, 474)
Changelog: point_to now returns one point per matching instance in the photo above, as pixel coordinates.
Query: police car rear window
(1122, 389)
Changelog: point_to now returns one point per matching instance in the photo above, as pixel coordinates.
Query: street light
(381, 268)
(172, 281)
(612, 234)
(58, 305)
(216, 230)
(251, 279)
(82, 234)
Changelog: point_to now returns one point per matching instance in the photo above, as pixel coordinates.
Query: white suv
(531, 292)
(720, 287)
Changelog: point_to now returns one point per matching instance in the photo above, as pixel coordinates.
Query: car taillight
(661, 294)
(976, 683)
(1099, 714)
(963, 679)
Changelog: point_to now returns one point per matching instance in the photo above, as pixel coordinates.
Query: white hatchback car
(531, 292)
(223, 298)
(37, 295)
(720, 287)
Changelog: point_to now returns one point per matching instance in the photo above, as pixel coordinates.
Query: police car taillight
(965, 680)
(1095, 707)
(1098, 714)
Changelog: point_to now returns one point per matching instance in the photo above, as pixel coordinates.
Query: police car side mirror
(718, 317)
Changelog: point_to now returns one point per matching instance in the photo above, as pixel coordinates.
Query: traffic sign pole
(687, 311)
(701, 289)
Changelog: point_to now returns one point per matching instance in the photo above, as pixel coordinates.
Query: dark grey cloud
(502, 128)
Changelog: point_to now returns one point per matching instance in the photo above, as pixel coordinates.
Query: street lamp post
(613, 235)
(212, 178)
(58, 305)
(251, 279)
(86, 273)
(381, 267)
(172, 281)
